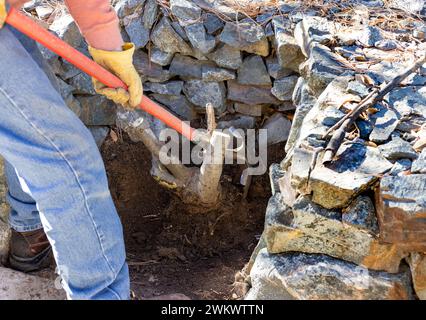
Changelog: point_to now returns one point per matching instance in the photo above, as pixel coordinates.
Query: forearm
(98, 23)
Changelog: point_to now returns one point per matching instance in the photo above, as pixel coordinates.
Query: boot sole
(41, 261)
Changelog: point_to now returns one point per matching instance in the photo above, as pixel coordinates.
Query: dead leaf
(113, 135)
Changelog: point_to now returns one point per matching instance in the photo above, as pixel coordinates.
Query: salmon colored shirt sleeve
(96, 19)
(98, 23)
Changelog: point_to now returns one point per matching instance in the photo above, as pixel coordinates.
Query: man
(58, 189)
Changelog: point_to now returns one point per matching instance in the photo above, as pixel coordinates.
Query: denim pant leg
(24, 215)
(60, 167)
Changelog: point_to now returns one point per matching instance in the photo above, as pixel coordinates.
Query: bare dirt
(172, 251)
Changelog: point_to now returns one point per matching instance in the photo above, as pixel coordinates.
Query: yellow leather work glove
(3, 12)
(119, 63)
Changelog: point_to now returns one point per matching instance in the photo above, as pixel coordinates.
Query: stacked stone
(188, 57)
(354, 229)
(324, 237)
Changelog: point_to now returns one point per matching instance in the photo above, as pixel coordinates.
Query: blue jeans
(57, 179)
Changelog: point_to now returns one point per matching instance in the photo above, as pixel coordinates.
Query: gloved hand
(3, 12)
(17, 4)
(119, 63)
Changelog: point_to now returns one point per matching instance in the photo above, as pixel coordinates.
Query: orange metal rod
(61, 48)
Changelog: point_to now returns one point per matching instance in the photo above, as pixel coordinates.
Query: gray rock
(200, 93)
(66, 92)
(250, 94)
(82, 84)
(417, 263)
(321, 68)
(160, 57)
(186, 67)
(179, 30)
(385, 122)
(150, 14)
(211, 73)
(253, 72)
(179, 104)
(386, 45)
(356, 168)
(68, 70)
(20, 286)
(127, 7)
(309, 228)
(365, 128)
(170, 88)
(357, 88)
(400, 206)
(400, 166)
(409, 100)
(149, 71)
(300, 170)
(396, 149)
(186, 11)
(331, 116)
(278, 128)
(212, 23)
(314, 30)
(289, 54)
(97, 111)
(304, 102)
(227, 57)
(99, 134)
(43, 12)
(138, 34)
(246, 36)
(370, 36)
(251, 110)
(199, 39)
(361, 214)
(275, 70)
(167, 39)
(319, 277)
(283, 88)
(275, 174)
(412, 6)
(238, 122)
(419, 165)
(4, 217)
(67, 30)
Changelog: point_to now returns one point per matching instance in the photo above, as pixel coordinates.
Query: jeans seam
(73, 172)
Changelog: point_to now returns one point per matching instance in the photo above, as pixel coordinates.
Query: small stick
(211, 120)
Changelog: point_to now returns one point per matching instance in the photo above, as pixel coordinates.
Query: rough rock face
(310, 228)
(319, 277)
(246, 36)
(417, 262)
(20, 286)
(4, 212)
(401, 210)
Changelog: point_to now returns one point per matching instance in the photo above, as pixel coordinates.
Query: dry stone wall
(354, 229)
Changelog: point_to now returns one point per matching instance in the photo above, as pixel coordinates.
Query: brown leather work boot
(30, 251)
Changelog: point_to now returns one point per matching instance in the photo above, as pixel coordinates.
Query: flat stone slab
(401, 210)
(356, 168)
(310, 228)
(251, 94)
(301, 276)
(16, 285)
